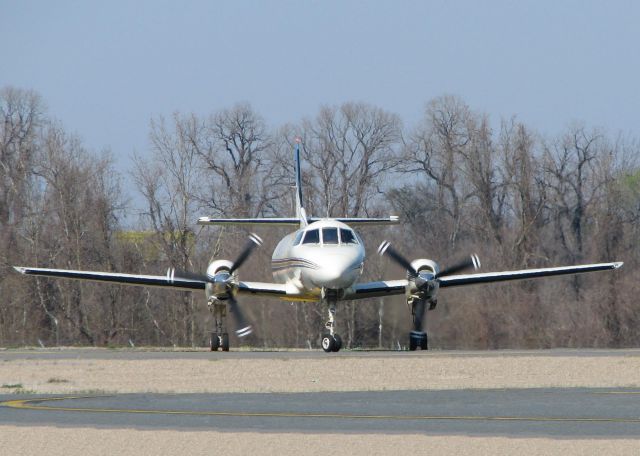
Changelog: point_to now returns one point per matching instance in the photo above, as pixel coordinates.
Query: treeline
(459, 184)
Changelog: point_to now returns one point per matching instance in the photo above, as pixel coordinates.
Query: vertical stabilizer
(300, 212)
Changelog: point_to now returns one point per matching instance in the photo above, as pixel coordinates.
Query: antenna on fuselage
(300, 212)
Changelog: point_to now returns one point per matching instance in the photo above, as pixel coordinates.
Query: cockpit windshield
(311, 237)
(330, 235)
(347, 236)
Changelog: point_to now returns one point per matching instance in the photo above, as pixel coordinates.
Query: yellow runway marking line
(29, 404)
(616, 392)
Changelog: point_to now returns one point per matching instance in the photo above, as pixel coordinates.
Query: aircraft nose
(337, 272)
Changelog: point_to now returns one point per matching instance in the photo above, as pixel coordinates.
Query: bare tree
(433, 151)
(171, 182)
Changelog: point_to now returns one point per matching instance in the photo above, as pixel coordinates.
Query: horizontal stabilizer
(287, 221)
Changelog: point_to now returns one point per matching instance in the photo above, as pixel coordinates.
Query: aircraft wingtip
(20, 269)
(618, 264)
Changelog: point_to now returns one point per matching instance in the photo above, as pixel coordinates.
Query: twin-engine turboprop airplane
(321, 261)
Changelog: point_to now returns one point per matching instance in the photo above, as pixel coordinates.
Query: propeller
(223, 284)
(253, 242)
(472, 262)
(243, 328)
(386, 249)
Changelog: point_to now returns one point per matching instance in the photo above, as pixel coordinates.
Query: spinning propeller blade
(243, 328)
(472, 262)
(386, 249)
(254, 241)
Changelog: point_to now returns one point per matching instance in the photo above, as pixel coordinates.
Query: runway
(312, 392)
(554, 412)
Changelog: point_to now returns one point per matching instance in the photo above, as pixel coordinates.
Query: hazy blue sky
(105, 68)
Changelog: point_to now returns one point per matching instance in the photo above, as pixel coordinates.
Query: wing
(487, 277)
(398, 287)
(377, 289)
(273, 290)
(166, 281)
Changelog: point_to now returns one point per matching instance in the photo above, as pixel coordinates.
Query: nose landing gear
(331, 342)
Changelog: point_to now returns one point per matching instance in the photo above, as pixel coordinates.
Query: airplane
(321, 261)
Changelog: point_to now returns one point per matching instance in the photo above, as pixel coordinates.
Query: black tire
(413, 343)
(225, 342)
(337, 341)
(214, 342)
(328, 342)
(417, 339)
(424, 344)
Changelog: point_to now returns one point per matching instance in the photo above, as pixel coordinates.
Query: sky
(106, 68)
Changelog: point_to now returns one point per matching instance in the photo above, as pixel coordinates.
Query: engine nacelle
(218, 266)
(423, 264)
(419, 289)
(219, 289)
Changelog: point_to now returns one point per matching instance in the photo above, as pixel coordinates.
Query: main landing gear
(331, 342)
(418, 337)
(219, 338)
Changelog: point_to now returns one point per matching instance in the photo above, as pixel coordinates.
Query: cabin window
(298, 238)
(312, 237)
(347, 236)
(330, 235)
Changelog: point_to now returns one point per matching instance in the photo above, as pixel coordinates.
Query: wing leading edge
(165, 281)
(488, 277)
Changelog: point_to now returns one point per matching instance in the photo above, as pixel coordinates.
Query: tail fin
(301, 218)
(300, 212)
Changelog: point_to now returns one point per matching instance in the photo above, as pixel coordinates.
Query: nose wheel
(331, 343)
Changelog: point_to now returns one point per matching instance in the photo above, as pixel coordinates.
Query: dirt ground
(54, 441)
(318, 374)
(370, 373)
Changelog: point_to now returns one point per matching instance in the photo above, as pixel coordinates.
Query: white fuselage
(325, 255)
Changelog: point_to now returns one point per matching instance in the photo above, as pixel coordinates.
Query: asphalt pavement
(202, 353)
(554, 412)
